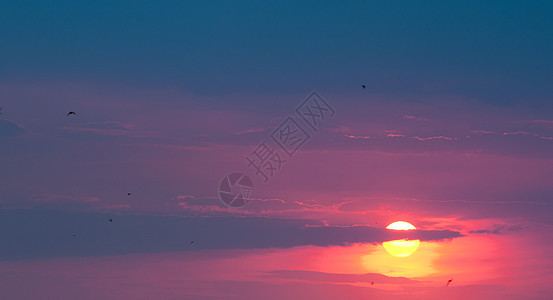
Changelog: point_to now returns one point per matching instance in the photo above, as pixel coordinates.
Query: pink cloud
(357, 137)
(434, 138)
(482, 131)
(250, 131)
(395, 135)
(414, 118)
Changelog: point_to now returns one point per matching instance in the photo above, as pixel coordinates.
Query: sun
(401, 225)
(401, 248)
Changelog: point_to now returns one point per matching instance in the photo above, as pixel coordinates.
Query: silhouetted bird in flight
(74, 235)
(128, 194)
(191, 242)
(71, 113)
(363, 86)
(110, 220)
(448, 282)
(372, 282)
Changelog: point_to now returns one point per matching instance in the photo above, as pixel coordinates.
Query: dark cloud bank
(46, 234)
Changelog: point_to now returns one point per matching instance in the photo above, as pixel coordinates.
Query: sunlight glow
(401, 248)
(401, 225)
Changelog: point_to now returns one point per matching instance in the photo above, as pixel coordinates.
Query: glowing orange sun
(401, 248)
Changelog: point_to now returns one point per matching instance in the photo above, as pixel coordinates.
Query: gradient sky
(453, 133)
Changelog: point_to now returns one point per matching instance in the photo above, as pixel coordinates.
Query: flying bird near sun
(448, 282)
(71, 113)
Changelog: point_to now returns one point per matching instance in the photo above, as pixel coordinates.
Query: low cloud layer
(46, 234)
(8, 129)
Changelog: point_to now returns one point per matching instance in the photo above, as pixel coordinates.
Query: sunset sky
(452, 133)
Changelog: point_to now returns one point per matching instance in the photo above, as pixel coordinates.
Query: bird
(71, 113)
(128, 194)
(110, 220)
(372, 282)
(363, 86)
(448, 282)
(191, 242)
(74, 235)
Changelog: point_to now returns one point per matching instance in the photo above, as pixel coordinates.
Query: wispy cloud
(528, 133)
(435, 138)
(53, 198)
(476, 202)
(538, 121)
(478, 131)
(250, 131)
(357, 136)
(499, 229)
(110, 128)
(314, 276)
(414, 118)
(441, 137)
(8, 128)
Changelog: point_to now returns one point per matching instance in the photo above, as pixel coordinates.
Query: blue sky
(497, 51)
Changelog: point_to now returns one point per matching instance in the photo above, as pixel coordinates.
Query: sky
(436, 113)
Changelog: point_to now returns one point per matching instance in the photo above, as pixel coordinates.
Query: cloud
(53, 198)
(9, 129)
(314, 276)
(250, 131)
(357, 136)
(43, 234)
(478, 131)
(110, 128)
(434, 138)
(528, 133)
(499, 229)
(233, 289)
(67, 203)
(539, 121)
(528, 143)
(414, 118)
